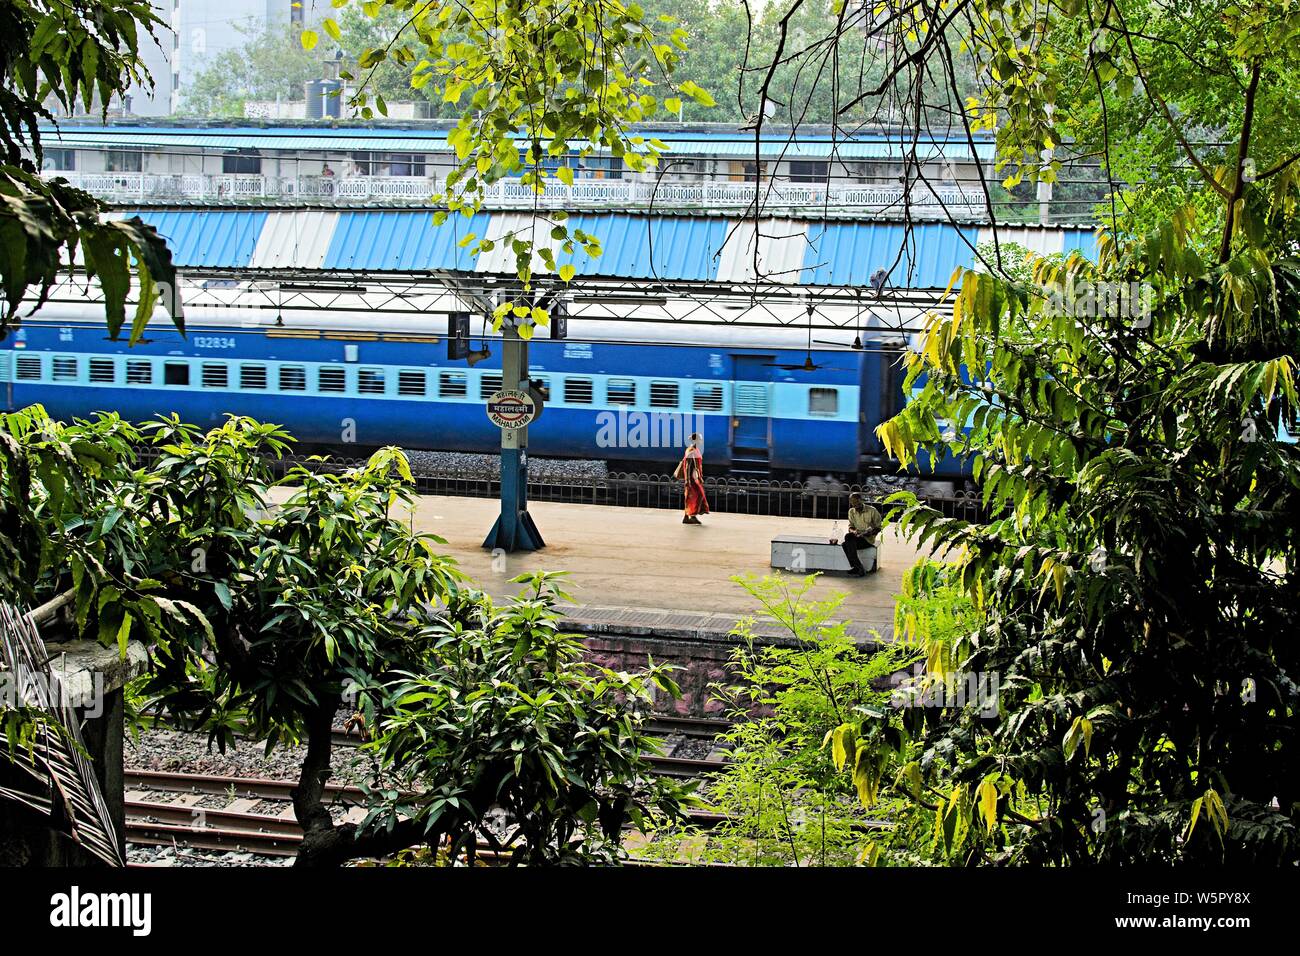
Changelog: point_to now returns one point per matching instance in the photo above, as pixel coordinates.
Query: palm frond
(63, 783)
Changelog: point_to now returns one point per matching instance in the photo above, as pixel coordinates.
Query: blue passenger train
(613, 391)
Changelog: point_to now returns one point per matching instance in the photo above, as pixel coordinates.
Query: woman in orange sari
(691, 471)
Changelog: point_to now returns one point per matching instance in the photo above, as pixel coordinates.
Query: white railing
(418, 188)
(715, 195)
(512, 193)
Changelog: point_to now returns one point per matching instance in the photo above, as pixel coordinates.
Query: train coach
(767, 402)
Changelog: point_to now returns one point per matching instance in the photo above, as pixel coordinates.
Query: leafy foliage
(66, 489)
(507, 715)
(309, 594)
(269, 604)
(1138, 579)
(1156, 97)
(1129, 421)
(533, 82)
(78, 50)
(783, 800)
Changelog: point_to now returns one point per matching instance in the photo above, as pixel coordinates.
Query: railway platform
(642, 569)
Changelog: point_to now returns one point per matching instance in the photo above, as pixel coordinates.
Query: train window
(489, 385)
(293, 378)
(103, 370)
(708, 397)
(620, 391)
(252, 376)
(29, 366)
(332, 378)
(823, 401)
(139, 372)
(663, 394)
(578, 391)
(215, 376)
(64, 368)
(453, 384)
(176, 373)
(370, 381)
(410, 382)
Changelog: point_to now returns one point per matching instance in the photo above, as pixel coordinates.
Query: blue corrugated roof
(402, 241)
(669, 247)
(643, 247)
(208, 237)
(847, 253)
(1085, 240)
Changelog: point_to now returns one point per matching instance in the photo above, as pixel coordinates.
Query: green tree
(390, 79)
(271, 65)
(1126, 418)
(266, 605)
(716, 38)
(506, 714)
(781, 797)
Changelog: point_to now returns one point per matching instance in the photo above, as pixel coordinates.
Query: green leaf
(148, 298)
(693, 90)
(987, 796)
(124, 634)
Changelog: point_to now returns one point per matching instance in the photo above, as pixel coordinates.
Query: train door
(751, 415)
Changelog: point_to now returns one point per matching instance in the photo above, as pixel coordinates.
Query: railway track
(155, 821)
(698, 727)
(681, 768)
(176, 817)
(669, 764)
(181, 820)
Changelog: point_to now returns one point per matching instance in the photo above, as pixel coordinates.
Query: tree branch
(1239, 174)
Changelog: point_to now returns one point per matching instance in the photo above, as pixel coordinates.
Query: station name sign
(511, 408)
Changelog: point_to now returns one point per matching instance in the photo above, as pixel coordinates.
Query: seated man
(864, 527)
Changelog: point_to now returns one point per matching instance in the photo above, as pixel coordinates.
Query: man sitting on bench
(864, 527)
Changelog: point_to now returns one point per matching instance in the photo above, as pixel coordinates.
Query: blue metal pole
(514, 529)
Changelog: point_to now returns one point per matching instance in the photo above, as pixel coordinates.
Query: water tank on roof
(324, 98)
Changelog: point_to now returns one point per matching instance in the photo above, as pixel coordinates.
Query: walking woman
(691, 471)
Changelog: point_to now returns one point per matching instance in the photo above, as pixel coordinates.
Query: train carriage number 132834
(214, 342)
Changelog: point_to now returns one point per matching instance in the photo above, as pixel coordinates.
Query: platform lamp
(559, 310)
(458, 336)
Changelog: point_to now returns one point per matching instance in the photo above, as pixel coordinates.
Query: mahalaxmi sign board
(511, 408)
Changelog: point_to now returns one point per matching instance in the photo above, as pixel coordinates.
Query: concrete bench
(804, 553)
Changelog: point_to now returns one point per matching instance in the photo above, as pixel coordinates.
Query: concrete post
(93, 677)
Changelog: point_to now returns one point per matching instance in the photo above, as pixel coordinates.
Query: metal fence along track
(791, 499)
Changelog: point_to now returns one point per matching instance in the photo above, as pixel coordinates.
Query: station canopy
(694, 272)
(663, 248)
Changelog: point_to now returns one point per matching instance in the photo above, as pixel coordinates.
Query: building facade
(706, 166)
(198, 31)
